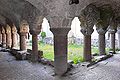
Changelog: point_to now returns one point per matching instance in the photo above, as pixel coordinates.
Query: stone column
(34, 55)
(101, 41)
(8, 36)
(3, 38)
(118, 32)
(60, 49)
(14, 37)
(23, 44)
(0, 36)
(24, 30)
(87, 56)
(87, 48)
(112, 40)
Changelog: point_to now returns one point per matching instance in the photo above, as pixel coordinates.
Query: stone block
(21, 55)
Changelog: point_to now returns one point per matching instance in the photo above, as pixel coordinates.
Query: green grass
(75, 52)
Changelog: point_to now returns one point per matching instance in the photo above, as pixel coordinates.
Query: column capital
(23, 33)
(60, 31)
(60, 22)
(35, 32)
(8, 29)
(87, 31)
(101, 31)
(14, 30)
(3, 30)
(112, 31)
(88, 17)
(24, 27)
(118, 30)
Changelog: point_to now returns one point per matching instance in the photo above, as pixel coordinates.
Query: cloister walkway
(10, 69)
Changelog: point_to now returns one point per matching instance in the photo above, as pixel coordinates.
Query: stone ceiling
(17, 10)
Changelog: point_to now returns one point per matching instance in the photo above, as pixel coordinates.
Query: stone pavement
(105, 70)
(10, 69)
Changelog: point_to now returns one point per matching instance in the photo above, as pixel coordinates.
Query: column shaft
(8, 40)
(34, 48)
(60, 50)
(0, 38)
(3, 39)
(112, 42)
(102, 44)
(87, 48)
(23, 45)
(14, 40)
(119, 40)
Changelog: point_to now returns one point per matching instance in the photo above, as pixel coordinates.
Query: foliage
(43, 35)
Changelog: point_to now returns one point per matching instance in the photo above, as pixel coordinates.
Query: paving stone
(10, 69)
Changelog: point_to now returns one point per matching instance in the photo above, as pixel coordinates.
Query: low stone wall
(20, 55)
(24, 55)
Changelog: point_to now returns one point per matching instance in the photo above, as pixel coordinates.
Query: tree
(43, 35)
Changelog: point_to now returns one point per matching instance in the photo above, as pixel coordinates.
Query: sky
(75, 29)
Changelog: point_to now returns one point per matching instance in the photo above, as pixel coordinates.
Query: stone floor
(10, 69)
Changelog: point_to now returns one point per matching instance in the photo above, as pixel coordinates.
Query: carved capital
(60, 31)
(106, 14)
(60, 22)
(89, 16)
(101, 31)
(87, 31)
(36, 23)
(8, 29)
(112, 31)
(24, 27)
(14, 30)
(37, 32)
(3, 30)
(23, 34)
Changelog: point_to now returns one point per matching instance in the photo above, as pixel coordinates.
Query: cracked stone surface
(10, 69)
(105, 70)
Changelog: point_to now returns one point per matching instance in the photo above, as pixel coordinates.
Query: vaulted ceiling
(17, 10)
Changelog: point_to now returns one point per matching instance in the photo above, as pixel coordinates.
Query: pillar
(8, 36)
(34, 55)
(24, 30)
(118, 32)
(101, 42)
(23, 44)
(87, 48)
(112, 40)
(0, 36)
(3, 37)
(60, 49)
(14, 37)
(87, 56)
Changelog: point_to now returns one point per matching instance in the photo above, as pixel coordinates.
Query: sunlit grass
(75, 52)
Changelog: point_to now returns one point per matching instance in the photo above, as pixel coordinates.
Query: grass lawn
(75, 52)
